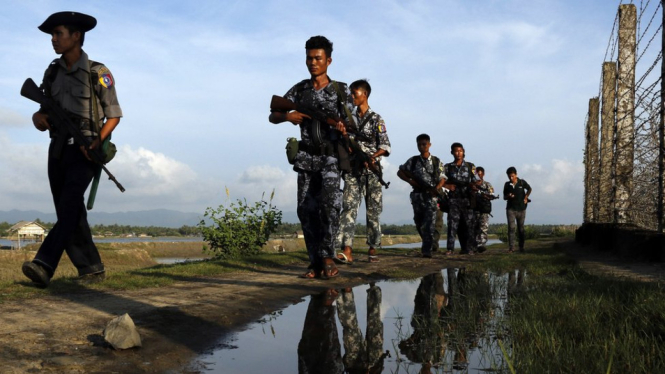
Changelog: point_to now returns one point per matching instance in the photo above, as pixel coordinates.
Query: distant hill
(155, 217)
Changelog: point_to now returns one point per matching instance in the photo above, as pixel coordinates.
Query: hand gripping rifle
(59, 116)
(365, 159)
(280, 104)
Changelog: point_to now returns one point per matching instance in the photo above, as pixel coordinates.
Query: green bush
(240, 229)
(564, 231)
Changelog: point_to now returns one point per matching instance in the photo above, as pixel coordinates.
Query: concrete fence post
(591, 163)
(607, 125)
(625, 135)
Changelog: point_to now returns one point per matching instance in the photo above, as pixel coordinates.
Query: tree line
(120, 230)
(285, 229)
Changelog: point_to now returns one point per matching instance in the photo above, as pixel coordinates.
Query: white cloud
(262, 174)
(257, 181)
(152, 174)
(10, 117)
(23, 171)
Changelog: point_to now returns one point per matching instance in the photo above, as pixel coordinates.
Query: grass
(560, 319)
(565, 320)
(134, 268)
(595, 323)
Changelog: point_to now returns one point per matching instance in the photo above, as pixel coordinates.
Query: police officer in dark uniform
(86, 90)
(317, 163)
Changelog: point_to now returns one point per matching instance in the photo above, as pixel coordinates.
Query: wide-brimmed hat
(82, 21)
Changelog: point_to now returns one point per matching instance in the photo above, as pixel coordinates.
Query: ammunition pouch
(292, 150)
(343, 157)
(109, 150)
(325, 149)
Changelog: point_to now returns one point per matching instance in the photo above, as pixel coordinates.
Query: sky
(509, 79)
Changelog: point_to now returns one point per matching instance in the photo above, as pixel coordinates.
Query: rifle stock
(280, 104)
(30, 91)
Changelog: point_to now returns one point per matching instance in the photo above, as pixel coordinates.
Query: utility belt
(324, 149)
(85, 125)
(61, 137)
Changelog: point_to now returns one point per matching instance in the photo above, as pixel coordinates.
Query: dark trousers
(69, 177)
(513, 217)
(460, 210)
(319, 205)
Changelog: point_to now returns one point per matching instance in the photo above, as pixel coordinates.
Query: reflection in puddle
(442, 244)
(177, 260)
(447, 322)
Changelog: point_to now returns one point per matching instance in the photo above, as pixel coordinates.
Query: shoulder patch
(381, 127)
(105, 77)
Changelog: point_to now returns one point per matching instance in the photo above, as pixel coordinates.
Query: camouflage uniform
(481, 220)
(460, 208)
(361, 354)
(319, 350)
(427, 343)
(438, 229)
(424, 204)
(363, 183)
(319, 194)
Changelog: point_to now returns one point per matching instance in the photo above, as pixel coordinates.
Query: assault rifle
(365, 159)
(65, 127)
(424, 186)
(280, 104)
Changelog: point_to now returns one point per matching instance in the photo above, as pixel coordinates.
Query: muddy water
(448, 322)
(442, 244)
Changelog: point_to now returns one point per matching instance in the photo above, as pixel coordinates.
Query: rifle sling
(95, 127)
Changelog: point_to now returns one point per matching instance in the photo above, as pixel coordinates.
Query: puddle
(446, 322)
(177, 260)
(442, 244)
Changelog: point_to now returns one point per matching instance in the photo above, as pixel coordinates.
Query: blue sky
(510, 79)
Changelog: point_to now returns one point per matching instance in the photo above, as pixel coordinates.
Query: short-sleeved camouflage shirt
(463, 174)
(372, 126)
(304, 93)
(424, 169)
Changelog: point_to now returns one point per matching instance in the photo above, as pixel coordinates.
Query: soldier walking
(424, 173)
(361, 182)
(317, 160)
(85, 89)
(461, 183)
(481, 216)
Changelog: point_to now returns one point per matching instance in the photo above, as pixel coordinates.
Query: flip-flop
(310, 274)
(343, 260)
(371, 256)
(329, 271)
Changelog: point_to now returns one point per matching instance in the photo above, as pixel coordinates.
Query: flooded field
(447, 322)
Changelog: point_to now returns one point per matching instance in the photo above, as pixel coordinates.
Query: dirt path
(62, 334)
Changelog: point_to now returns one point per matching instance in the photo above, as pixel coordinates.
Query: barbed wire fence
(624, 155)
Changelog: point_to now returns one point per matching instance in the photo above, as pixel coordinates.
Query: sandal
(344, 257)
(449, 253)
(372, 257)
(310, 274)
(329, 269)
(341, 258)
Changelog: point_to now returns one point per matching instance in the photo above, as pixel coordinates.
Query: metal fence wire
(645, 198)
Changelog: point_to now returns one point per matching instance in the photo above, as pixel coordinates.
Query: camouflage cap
(82, 21)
